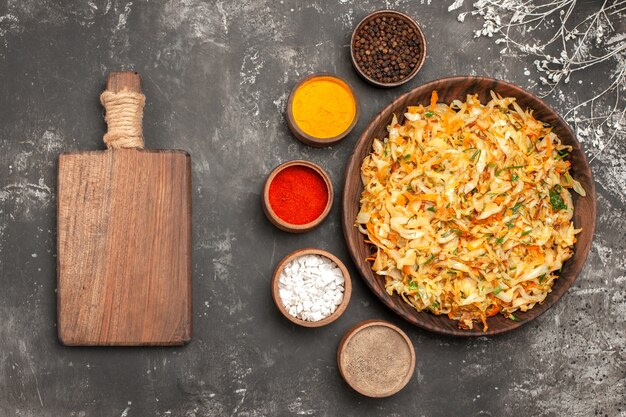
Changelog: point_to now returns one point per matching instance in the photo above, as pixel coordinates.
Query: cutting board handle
(123, 103)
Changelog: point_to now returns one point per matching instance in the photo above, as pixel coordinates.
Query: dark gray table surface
(216, 77)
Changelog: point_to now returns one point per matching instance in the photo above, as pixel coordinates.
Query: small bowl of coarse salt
(311, 287)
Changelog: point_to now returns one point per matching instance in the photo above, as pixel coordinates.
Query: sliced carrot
(414, 109)
(528, 285)
(426, 197)
(434, 97)
(372, 233)
(493, 310)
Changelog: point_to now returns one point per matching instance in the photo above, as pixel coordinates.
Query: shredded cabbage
(467, 208)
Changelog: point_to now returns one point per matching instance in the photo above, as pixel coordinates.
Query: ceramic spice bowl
(376, 358)
(297, 196)
(322, 109)
(388, 48)
(282, 293)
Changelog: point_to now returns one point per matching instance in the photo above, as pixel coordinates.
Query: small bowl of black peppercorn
(388, 48)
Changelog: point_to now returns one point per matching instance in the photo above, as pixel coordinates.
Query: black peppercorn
(386, 49)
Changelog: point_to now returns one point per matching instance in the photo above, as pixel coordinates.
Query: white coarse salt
(311, 287)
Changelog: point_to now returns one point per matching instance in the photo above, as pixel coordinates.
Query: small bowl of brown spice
(376, 358)
(388, 48)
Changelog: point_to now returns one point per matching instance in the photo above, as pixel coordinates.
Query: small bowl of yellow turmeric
(322, 109)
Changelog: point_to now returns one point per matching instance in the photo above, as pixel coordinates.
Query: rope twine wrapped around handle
(124, 115)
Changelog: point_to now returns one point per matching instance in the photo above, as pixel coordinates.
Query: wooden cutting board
(124, 238)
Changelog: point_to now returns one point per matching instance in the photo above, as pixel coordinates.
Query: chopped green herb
(496, 291)
(429, 114)
(454, 251)
(568, 178)
(512, 317)
(514, 177)
(513, 268)
(510, 225)
(409, 188)
(436, 304)
(429, 260)
(527, 232)
(515, 167)
(555, 198)
(562, 154)
(412, 285)
(500, 240)
(386, 150)
(407, 156)
(516, 207)
(542, 278)
(457, 231)
(476, 155)
(431, 209)
(498, 171)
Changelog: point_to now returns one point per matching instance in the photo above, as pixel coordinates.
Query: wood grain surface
(124, 244)
(450, 89)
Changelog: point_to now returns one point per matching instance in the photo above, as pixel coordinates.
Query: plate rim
(352, 168)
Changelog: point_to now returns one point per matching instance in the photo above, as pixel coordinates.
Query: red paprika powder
(298, 194)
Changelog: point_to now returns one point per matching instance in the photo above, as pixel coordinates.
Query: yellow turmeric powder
(323, 107)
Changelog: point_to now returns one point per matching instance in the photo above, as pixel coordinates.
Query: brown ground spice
(376, 360)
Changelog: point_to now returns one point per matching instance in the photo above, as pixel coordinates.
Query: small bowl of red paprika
(297, 196)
